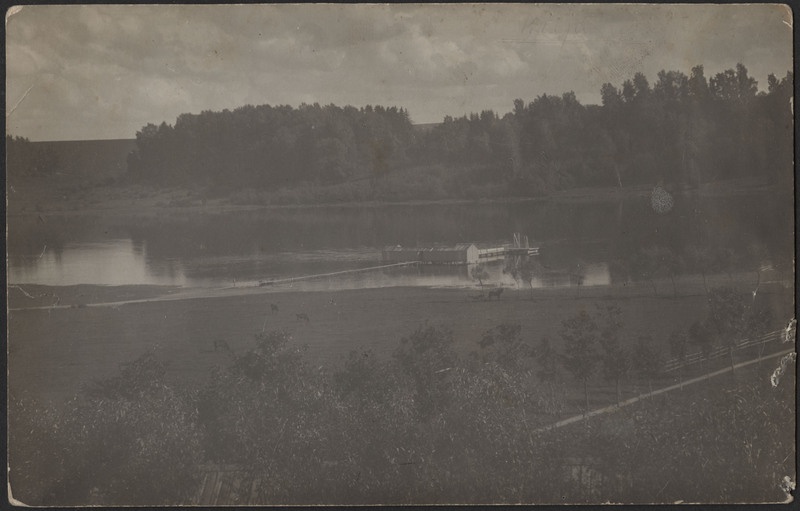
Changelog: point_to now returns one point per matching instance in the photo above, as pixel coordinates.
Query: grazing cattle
(302, 317)
(495, 293)
(273, 307)
(222, 344)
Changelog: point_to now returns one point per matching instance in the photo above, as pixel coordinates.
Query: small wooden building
(463, 253)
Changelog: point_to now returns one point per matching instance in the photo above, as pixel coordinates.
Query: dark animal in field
(495, 293)
(273, 307)
(222, 344)
(302, 317)
(478, 297)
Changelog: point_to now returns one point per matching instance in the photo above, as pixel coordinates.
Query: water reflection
(112, 263)
(125, 262)
(437, 277)
(216, 248)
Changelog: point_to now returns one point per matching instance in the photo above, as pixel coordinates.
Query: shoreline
(23, 296)
(151, 204)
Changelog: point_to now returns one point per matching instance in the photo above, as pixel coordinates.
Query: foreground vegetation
(426, 425)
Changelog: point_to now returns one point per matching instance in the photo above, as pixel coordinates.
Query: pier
(462, 253)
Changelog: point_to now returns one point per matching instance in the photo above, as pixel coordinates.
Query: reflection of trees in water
(617, 231)
(702, 236)
(253, 233)
(138, 246)
(29, 238)
(170, 268)
(639, 243)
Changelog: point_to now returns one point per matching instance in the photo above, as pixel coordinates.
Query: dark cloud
(104, 71)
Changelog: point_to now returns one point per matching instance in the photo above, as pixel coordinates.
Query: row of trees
(682, 130)
(427, 425)
(649, 264)
(267, 147)
(594, 341)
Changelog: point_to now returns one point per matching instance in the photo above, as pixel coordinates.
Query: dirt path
(663, 390)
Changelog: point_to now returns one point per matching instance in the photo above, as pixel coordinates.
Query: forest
(683, 130)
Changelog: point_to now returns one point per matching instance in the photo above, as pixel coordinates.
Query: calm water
(214, 249)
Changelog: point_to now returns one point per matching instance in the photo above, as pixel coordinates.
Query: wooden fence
(783, 335)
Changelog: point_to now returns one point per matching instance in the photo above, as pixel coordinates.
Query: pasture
(54, 352)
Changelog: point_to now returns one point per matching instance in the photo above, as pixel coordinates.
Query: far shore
(138, 200)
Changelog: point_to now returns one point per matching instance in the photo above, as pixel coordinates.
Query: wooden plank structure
(785, 335)
(462, 253)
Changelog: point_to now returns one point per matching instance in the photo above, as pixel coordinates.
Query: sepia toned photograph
(400, 254)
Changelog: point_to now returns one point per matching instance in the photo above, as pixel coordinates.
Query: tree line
(268, 147)
(683, 130)
(426, 425)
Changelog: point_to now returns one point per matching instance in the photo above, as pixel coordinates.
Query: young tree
(427, 358)
(616, 363)
(530, 269)
(673, 264)
(700, 334)
(132, 439)
(503, 345)
(645, 265)
(700, 259)
(757, 324)
(677, 348)
(523, 269)
(273, 414)
(616, 359)
(547, 357)
(580, 333)
(511, 267)
(480, 274)
(578, 273)
(646, 360)
(728, 315)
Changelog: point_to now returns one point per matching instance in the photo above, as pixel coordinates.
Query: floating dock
(463, 253)
(484, 253)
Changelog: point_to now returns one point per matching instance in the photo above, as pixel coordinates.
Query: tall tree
(580, 333)
(547, 357)
(728, 311)
(646, 360)
(677, 348)
(616, 359)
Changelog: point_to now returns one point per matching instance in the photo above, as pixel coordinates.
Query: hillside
(94, 159)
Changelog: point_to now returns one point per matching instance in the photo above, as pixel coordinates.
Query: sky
(87, 72)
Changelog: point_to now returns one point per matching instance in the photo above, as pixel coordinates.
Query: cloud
(105, 70)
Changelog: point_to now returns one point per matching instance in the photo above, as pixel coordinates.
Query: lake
(213, 249)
